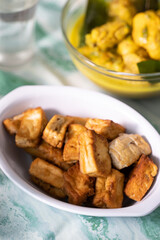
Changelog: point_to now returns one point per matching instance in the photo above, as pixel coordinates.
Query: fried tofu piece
(71, 147)
(31, 128)
(126, 150)
(107, 128)
(49, 153)
(55, 131)
(12, 124)
(22, 142)
(52, 191)
(94, 157)
(109, 191)
(78, 120)
(78, 186)
(141, 178)
(47, 172)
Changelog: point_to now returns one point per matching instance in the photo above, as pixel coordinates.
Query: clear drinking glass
(17, 37)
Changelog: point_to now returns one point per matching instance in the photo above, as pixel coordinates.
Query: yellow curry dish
(127, 35)
(121, 55)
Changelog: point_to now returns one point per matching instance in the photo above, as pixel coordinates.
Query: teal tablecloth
(21, 216)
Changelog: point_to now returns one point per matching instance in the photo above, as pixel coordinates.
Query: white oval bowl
(77, 102)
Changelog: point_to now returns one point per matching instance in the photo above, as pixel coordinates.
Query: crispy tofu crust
(12, 124)
(52, 191)
(49, 153)
(126, 150)
(78, 120)
(55, 131)
(109, 191)
(78, 186)
(31, 128)
(141, 178)
(71, 147)
(32, 123)
(75, 130)
(24, 142)
(94, 157)
(47, 172)
(107, 128)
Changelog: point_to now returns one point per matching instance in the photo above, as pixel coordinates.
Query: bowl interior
(76, 102)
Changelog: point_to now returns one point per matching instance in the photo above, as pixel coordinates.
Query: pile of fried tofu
(83, 159)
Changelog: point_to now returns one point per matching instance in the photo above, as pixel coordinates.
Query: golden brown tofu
(49, 153)
(55, 131)
(77, 120)
(12, 124)
(107, 128)
(23, 142)
(78, 186)
(126, 150)
(71, 147)
(52, 191)
(141, 178)
(47, 172)
(109, 191)
(94, 157)
(31, 128)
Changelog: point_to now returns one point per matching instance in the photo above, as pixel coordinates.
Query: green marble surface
(21, 216)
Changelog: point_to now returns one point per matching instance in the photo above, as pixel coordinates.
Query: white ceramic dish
(72, 101)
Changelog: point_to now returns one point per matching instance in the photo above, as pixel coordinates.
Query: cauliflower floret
(146, 32)
(127, 46)
(107, 35)
(122, 9)
(131, 54)
(108, 59)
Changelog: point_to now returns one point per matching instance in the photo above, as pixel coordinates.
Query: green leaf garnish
(96, 15)
(149, 66)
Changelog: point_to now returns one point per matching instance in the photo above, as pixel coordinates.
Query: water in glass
(16, 31)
